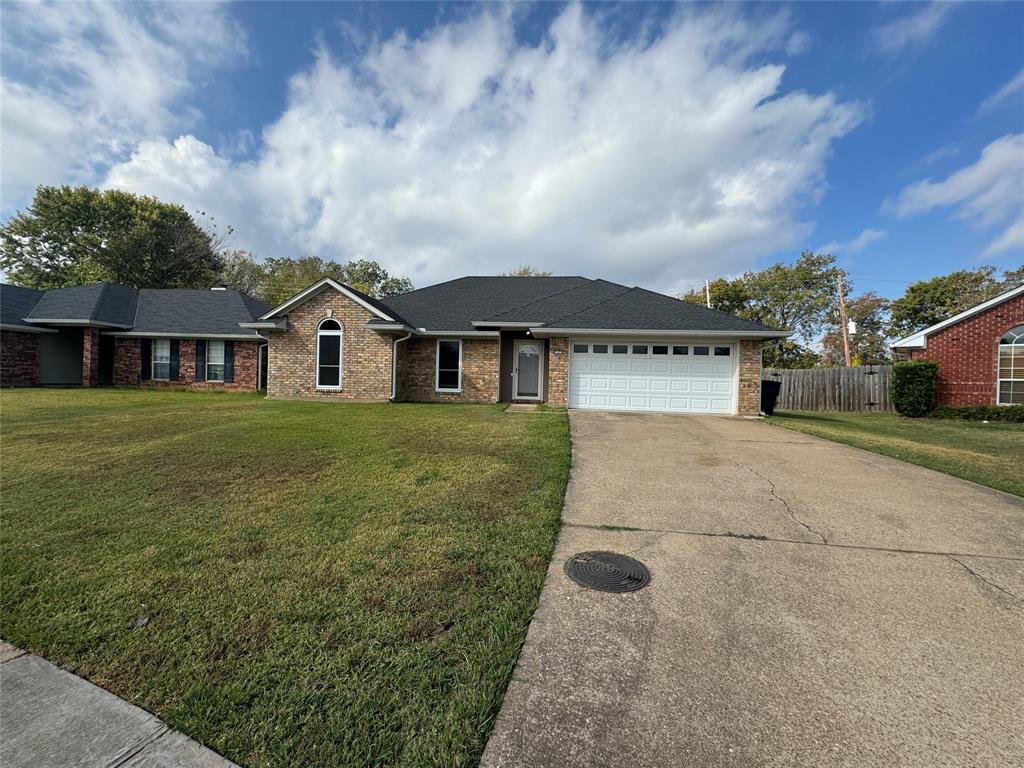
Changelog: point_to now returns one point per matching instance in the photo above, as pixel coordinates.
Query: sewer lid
(607, 571)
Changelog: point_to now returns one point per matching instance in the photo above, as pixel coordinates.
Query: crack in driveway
(774, 494)
(756, 538)
(978, 576)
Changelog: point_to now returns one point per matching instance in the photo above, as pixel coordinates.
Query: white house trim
(919, 340)
(25, 328)
(437, 367)
(314, 289)
(648, 333)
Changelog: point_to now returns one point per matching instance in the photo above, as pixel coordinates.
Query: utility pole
(843, 322)
(707, 292)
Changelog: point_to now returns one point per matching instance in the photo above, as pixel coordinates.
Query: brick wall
(750, 377)
(967, 354)
(558, 372)
(19, 359)
(365, 354)
(417, 360)
(90, 357)
(128, 366)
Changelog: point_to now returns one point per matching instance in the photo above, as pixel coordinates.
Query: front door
(528, 374)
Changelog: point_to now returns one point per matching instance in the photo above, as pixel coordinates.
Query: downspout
(394, 364)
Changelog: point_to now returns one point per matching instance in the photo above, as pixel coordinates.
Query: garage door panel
(639, 380)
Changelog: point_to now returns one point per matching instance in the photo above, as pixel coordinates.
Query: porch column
(90, 357)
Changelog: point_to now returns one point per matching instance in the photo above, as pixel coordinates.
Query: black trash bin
(769, 395)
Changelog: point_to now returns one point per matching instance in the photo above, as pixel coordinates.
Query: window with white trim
(214, 360)
(449, 366)
(1011, 367)
(328, 354)
(161, 359)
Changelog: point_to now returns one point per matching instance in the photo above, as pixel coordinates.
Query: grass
(989, 454)
(290, 583)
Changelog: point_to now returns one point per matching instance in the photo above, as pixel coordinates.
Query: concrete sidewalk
(50, 717)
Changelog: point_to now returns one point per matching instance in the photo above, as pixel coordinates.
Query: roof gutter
(280, 324)
(394, 363)
(26, 328)
(501, 324)
(75, 322)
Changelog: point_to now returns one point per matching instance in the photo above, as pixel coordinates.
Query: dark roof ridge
(99, 301)
(590, 283)
(599, 303)
(514, 307)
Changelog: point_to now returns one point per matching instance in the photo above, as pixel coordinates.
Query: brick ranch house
(980, 352)
(565, 341)
(104, 334)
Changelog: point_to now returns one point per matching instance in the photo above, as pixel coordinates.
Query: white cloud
(989, 192)
(84, 82)
(465, 152)
(1007, 91)
(856, 245)
(913, 30)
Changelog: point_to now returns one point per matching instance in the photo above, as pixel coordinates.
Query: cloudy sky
(649, 144)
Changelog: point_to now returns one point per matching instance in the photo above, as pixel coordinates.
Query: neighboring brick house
(105, 334)
(980, 352)
(566, 341)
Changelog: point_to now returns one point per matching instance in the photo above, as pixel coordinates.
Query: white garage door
(648, 376)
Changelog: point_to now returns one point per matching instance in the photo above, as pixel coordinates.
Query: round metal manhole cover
(607, 571)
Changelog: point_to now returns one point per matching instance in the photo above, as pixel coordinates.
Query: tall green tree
(799, 297)
(76, 235)
(284, 277)
(928, 302)
(243, 273)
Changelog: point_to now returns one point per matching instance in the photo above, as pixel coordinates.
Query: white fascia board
(919, 340)
(457, 334)
(390, 327)
(162, 335)
(25, 328)
(315, 288)
(500, 324)
(281, 324)
(648, 332)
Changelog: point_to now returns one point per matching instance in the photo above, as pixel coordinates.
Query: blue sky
(650, 144)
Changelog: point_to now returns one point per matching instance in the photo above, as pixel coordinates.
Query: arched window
(328, 355)
(1011, 367)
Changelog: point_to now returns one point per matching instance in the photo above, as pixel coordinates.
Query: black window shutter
(229, 362)
(173, 375)
(146, 353)
(200, 360)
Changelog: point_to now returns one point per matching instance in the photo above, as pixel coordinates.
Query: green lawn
(990, 454)
(290, 583)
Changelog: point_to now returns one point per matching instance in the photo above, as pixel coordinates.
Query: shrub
(913, 387)
(1009, 413)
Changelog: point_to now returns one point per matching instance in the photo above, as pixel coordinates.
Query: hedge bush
(1013, 414)
(913, 387)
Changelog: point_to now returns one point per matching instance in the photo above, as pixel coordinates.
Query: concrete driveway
(879, 623)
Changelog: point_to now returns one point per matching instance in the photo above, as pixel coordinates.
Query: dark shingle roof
(646, 310)
(454, 305)
(556, 302)
(185, 311)
(16, 302)
(101, 303)
(196, 312)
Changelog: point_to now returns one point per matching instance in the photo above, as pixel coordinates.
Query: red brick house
(566, 341)
(98, 334)
(980, 352)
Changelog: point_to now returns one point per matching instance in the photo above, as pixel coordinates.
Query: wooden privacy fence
(864, 388)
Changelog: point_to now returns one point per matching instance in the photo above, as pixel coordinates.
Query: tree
(928, 302)
(799, 297)
(285, 277)
(242, 273)
(527, 271)
(77, 235)
(868, 346)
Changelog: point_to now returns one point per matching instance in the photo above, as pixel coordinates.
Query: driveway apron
(810, 604)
